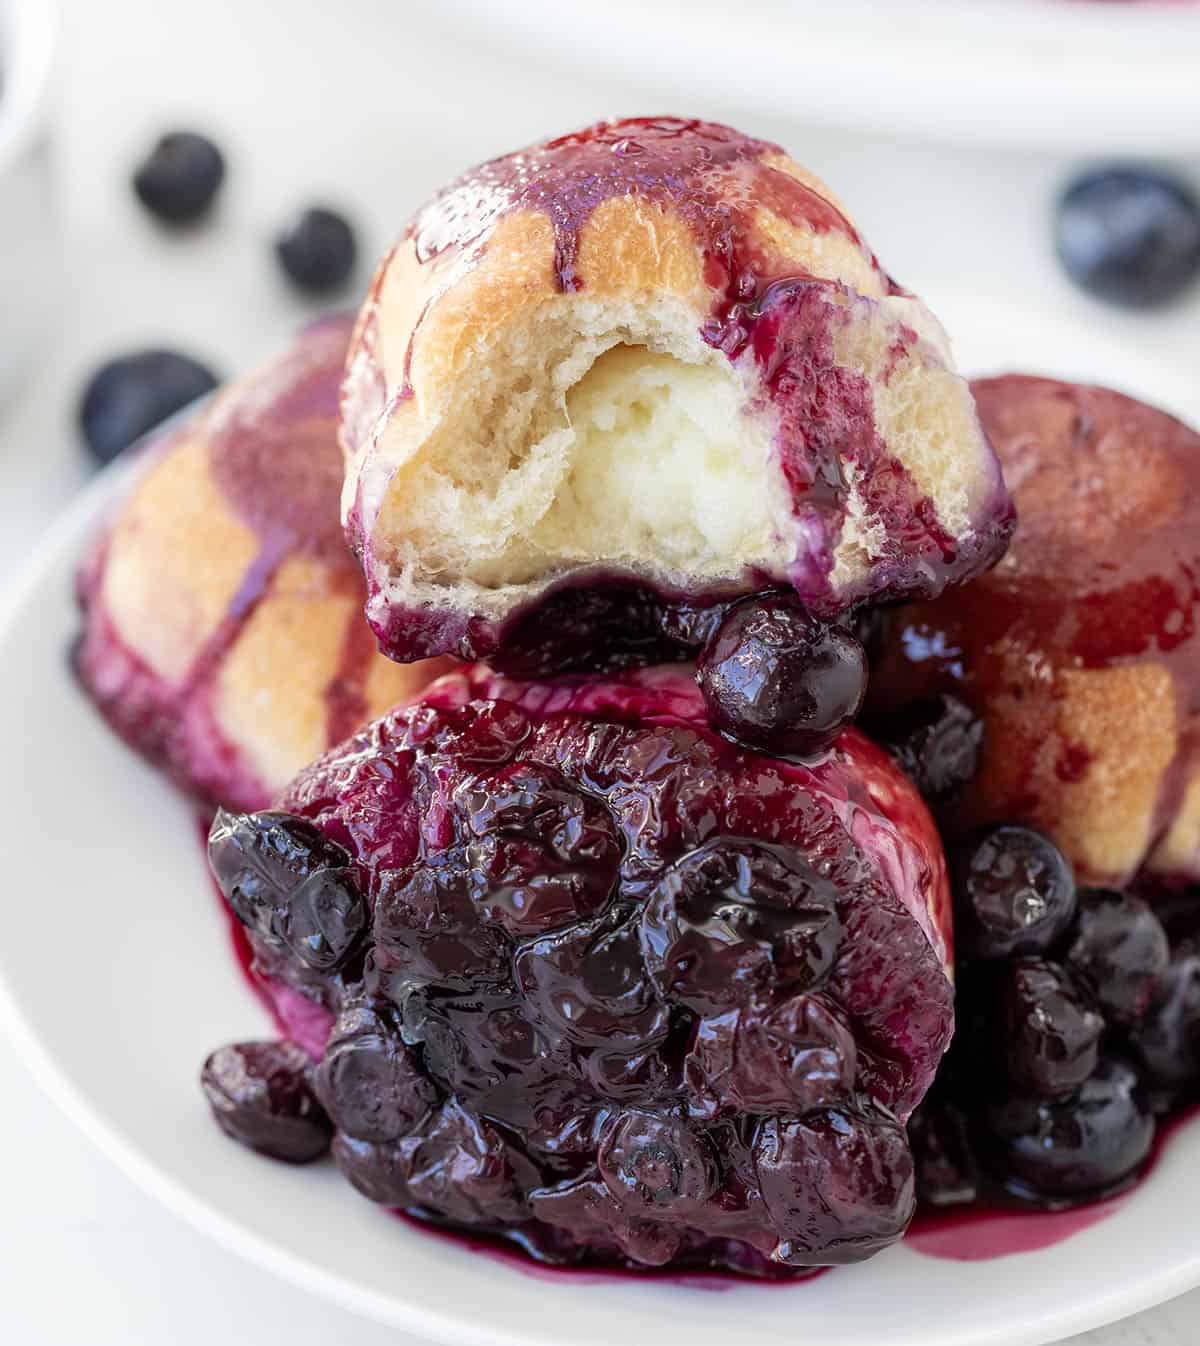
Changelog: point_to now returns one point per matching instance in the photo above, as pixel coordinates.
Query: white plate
(116, 979)
(1074, 74)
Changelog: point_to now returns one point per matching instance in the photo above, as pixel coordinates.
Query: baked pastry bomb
(222, 613)
(605, 384)
(597, 980)
(1079, 651)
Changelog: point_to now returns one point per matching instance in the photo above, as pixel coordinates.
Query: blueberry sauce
(626, 988)
(717, 181)
(273, 453)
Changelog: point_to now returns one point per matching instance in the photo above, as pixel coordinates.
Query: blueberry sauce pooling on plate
(763, 309)
(626, 993)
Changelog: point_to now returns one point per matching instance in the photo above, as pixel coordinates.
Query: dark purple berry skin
(318, 250)
(1052, 1030)
(180, 178)
(737, 923)
(127, 397)
(776, 679)
(1082, 1146)
(370, 1082)
(261, 1095)
(844, 1170)
(1119, 949)
(938, 745)
(289, 884)
(946, 1169)
(1014, 893)
(1129, 236)
(1166, 1041)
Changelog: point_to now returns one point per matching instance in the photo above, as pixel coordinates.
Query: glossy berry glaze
(272, 451)
(611, 988)
(763, 311)
(1083, 637)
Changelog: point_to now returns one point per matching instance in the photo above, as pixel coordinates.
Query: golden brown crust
(263, 626)
(1079, 649)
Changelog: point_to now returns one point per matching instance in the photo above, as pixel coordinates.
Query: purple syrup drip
(274, 451)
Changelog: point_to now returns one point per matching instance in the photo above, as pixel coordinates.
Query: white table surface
(364, 104)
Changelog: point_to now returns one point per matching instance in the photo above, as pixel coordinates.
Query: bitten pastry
(222, 629)
(605, 983)
(1080, 649)
(655, 361)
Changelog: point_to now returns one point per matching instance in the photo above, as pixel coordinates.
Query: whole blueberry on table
(777, 679)
(132, 394)
(180, 177)
(1129, 235)
(318, 250)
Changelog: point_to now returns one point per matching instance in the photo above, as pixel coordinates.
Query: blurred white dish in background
(1078, 75)
(28, 278)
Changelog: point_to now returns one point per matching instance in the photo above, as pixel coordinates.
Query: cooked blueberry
(1119, 949)
(1129, 235)
(838, 1184)
(655, 1164)
(289, 884)
(261, 1094)
(776, 679)
(738, 922)
(938, 744)
(318, 250)
(1166, 1041)
(945, 1163)
(589, 983)
(1014, 893)
(455, 1166)
(427, 924)
(1080, 1146)
(129, 396)
(371, 1083)
(797, 1058)
(541, 852)
(179, 178)
(1052, 1029)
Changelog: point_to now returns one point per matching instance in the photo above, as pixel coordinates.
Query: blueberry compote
(1078, 1026)
(606, 984)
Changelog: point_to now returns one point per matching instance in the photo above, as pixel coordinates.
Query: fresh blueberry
(318, 250)
(776, 679)
(937, 744)
(1014, 893)
(1052, 1030)
(180, 177)
(1081, 1146)
(1119, 949)
(1129, 235)
(129, 396)
(261, 1094)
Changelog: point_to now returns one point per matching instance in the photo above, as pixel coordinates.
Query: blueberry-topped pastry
(222, 635)
(606, 983)
(605, 384)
